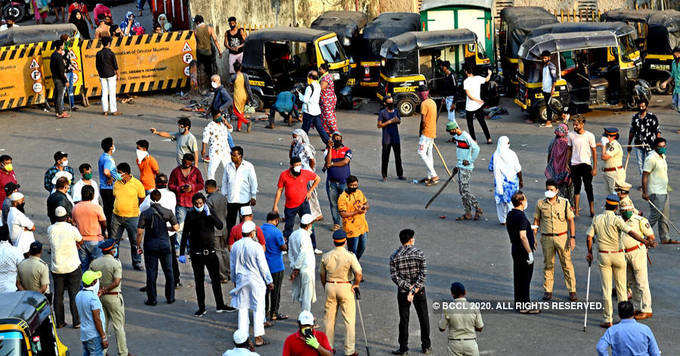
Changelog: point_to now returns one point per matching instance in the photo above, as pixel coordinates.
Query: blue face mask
(200, 210)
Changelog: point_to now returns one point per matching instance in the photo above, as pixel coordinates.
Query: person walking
(33, 273)
(64, 239)
(612, 157)
(59, 169)
(557, 168)
(582, 162)
(353, 207)
(523, 247)
(474, 105)
(644, 129)
(302, 263)
(107, 69)
(185, 141)
(337, 167)
(205, 40)
(58, 198)
(301, 147)
(251, 276)
(294, 182)
(152, 234)
(148, 166)
(242, 94)
(185, 181)
(636, 260)
(507, 177)
(107, 175)
(449, 89)
(239, 185)
(217, 138)
(628, 336)
(10, 258)
(548, 80)
(655, 189)
(388, 123)
(408, 270)
(199, 235)
(58, 69)
(21, 228)
(274, 247)
(463, 322)
(93, 331)
(675, 77)
(234, 40)
(311, 111)
(88, 217)
(85, 170)
(306, 340)
(217, 203)
(427, 133)
(338, 266)
(554, 216)
(611, 260)
(110, 293)
(328, 99)
(129, 194)
(467, 151)
(222, 101)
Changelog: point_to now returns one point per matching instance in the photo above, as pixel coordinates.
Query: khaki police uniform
(627, 201)
(613, 167)
(611, 260)
(114, 307)
(338, 266)
(553, 219)
(461, 322)
(33, 273)
(636, 262)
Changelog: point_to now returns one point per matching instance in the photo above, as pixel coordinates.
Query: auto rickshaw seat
(599, 83)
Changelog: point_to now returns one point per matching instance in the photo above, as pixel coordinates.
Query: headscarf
(505, 163)
(303, 147)
(81, 24)
(557, 155)
(136, 27)
(163, 23)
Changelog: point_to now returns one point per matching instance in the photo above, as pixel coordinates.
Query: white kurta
(18, 224)
(250, 273)
(301, 256)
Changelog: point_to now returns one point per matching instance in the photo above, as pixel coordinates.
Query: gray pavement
(475, 253)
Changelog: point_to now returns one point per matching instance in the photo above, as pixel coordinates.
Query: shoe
(399, 352)
(170, 301)
(76, 326)
(200, 312)
(643, 316)
(401, 178)
(317, 251)
(178, 285)
(547, 296)
(61, 325)
(137, 268)
(117, 113)
(105, 113)
(226, 309)
(573, 297)
(605, 325)
(427, 350)
(150, 303)
(260, 341)
(143, 289)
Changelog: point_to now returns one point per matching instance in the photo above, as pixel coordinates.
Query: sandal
(478, 214)
(264, 342)
(463, 218)
(431, 182)
(268, 324)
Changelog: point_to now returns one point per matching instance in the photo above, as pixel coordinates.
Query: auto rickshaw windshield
(331, 51)
(628, 47)
(12, 344)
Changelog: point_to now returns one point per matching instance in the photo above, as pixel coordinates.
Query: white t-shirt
(474, 86)
(78, 188)
(18, 223)
(581, 147)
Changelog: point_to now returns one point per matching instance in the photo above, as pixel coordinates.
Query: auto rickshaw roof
(626, 15)
(344, 23)
(390, 24)
(576, 28)
(253, 52)
(24, 305)
(37, 33)
(670, 19)
(433, 4)
(532, 48)
(396, 46)
(526, 18)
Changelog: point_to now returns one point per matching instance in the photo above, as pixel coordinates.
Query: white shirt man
(20, 229)
(216, 136)
(303, 263)
(10, 257)
(310, 101)
(473, 84)
(250, 273)
(63, 239)
(239, 185)
(581, 147)
(77, 188)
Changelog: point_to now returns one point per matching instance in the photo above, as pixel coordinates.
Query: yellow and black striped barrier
(21, 76)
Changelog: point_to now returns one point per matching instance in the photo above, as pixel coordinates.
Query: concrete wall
(602, 5)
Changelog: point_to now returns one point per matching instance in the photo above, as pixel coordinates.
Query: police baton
(585, 317)
(663, 216)
(357, 295)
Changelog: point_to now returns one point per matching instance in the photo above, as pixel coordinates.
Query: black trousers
(396, 147)
(69, 282)
(232, 213)
(107, 201)
(522, 272)
(273, 297)
(175, 263)
(548, 109)
(420, 303)
(478, 114)
(208, 62)
(151, 259)
(583, 172)
(210, 262)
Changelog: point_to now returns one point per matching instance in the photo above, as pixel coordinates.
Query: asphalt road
(474, 253)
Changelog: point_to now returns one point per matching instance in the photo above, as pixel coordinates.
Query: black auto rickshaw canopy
(30, 307)
(345, 24)
(664, 28)
(618, 28)
(520, 21)
(532, 48)
(253, 53)
(626, 15)
(386, 25)
(17, 35)
(403, 45)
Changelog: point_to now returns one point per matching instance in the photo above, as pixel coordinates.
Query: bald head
(215, 78)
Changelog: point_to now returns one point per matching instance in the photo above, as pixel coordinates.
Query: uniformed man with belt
(33, 273)
(623, 192)
(612, 155)
(337, 268)
(636, 261)
(110, 292)
(461, 325)
(611, 259)
(554, 216)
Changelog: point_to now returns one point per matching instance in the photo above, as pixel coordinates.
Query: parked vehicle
(16, 10)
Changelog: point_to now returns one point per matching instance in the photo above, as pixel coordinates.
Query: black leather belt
(203, 252)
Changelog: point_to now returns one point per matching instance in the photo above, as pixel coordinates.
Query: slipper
(431, 182)
(264, 342)
(463, 217)
(268, 324)
(478, 214)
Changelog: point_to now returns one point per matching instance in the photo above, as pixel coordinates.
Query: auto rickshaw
(27, 327)
(596, 68)
(414, 58)
(347, 25)
(276, 59)
(386, 25)
(516, 24)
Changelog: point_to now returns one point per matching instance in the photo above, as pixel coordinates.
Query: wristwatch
(573, 237)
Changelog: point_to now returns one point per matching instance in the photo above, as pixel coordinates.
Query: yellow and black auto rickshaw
(413, 58)
(27, 327)
(597, 64)
(276, 59)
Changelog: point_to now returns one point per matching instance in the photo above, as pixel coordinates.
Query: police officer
(554, 216)
(33, 273)
(461, 325)
(110, 292)
(337, 268)
(612, 156)
(636, 260)
(611, 260)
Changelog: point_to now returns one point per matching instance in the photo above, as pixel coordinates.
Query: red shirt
(295, 187)
(6, 177)
(236, 234)
(295, 345)
(194, 179)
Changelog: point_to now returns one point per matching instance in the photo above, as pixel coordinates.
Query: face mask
(113, 149)
(200, 210)
(525, 205)
(351, 190)
(297, 169)
(627, 214)
(9, 167)
(141, 155)
(65, 163)
(232, 26)
(337, 142)
(181, 130)
(307, 332)
(214, 85)
(21, 207)
(185, 166)
(642, 110)
(87, 176)
(390, 106)
(550, 194)
(661, 150)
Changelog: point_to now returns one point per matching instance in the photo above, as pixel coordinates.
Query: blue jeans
(290, 214)
(140, 4)
(120, 224)
(93, 347)
(334, 189)
(88, 252)
(309, 120)
(70, 77)
(676, 101)
(181, 214)
(640, 155)
(452, 112)
(357, 245)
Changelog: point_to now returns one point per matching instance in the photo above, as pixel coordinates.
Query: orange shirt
(147, 172)
(428, 124)
(87, 215)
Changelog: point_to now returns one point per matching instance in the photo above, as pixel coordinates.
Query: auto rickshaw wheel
(406, 107)
(257, 102)
(540, 113)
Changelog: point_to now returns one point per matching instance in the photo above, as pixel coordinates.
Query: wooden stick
(625, 169)
(441, 157)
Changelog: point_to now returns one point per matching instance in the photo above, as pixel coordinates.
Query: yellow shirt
(428, 124)
(607, 227)
(640, 225)
(127, 197)
(461, 320)
(614, 150)
(349, 203)
(553, 218)
(339, 265)
(657, 168)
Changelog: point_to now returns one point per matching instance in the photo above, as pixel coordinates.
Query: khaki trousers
(636, 267)
(114, 312)
(463, 348)
(610, 179)
(340, 295)
(612, 265)
(555, 245)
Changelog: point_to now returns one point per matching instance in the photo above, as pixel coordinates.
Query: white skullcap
(60, 212)
(306, 318)
(16, 196)
(306, 219)
(246, 210)
(248, 227)
(240, 336)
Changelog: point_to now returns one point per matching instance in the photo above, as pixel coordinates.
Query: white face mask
(141, 155)
(550, 194)
(214, 85)
(297, 169)
(65, 163)
(113, 149)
